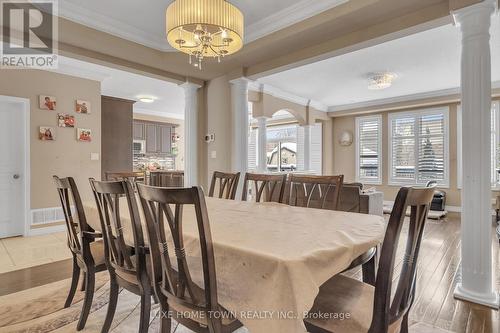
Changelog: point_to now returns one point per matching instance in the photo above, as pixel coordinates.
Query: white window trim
(445, 183)
(370, 181)
(496, 186)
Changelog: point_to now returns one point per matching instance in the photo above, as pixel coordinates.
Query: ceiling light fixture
(379, 81)
(204, 29)
(146, 99)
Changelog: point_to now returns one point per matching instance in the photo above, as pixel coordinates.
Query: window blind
(317, 149)
(369, 143)
(418, 145)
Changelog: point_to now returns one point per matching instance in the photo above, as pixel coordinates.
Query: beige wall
(65, 156)
(344, 161)
(179, 160)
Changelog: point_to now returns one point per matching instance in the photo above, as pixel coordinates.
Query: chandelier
(204, 29)
(379, 81)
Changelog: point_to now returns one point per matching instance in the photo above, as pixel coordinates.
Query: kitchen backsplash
(153, 162)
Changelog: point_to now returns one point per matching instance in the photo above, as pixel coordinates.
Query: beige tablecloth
(272, 258)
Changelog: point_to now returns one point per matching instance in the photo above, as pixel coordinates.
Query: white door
(12, 149)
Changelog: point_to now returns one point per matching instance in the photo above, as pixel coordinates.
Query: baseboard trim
(46, 230)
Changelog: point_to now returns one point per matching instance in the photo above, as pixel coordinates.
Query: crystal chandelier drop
(379, 81)
(204, 29)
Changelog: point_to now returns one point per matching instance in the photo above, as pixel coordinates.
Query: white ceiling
(169, 97)
(425, 62)
(143, 21)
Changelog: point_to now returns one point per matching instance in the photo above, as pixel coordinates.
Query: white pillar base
(491, 300)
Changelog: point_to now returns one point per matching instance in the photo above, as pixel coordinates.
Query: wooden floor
(438, 272)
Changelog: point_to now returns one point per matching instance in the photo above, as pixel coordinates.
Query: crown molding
(66, 67)
(278, 93)
(159, 113)
(288, 16)
(277, 21)
(95, 20)
(401, 99)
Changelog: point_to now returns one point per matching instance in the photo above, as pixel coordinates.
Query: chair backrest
(118, 254)
(315, 191)
(350, 197)
(134, 176)
(389, 313)
(163, 210)
(68, 194)
(227, 185)
(268, 188)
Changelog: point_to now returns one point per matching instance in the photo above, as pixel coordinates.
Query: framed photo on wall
(65, 120)
(84, 134)
(47, 102)
(46, 133)
(83, 107)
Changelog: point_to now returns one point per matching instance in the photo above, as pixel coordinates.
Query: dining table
(270, 258)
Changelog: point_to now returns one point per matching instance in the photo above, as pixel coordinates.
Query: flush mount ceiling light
(204, 28)
(147, 99)
(379, 81)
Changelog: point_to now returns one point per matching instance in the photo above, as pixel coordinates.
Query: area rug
(41, 310)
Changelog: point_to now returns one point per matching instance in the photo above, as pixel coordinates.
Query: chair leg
(87, 301)
(113, 299)
(82, 287)
(165, 323)
(74, 284)
(145, 313)
(404, 324)
(369, 271)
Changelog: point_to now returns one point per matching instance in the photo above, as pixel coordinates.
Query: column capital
(475, 19)
(241, 81)
(190, 86)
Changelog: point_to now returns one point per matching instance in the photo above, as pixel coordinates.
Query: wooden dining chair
(315, 191)
(127, 265)
(268, 188)
(227, 184)
(371, 309)
(85, 245)
(175, 289)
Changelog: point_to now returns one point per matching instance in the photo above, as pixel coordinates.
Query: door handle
(16, 176)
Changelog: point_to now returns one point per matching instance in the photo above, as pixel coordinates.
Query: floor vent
(47, 215)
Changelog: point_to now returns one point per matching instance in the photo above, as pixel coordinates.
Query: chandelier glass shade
(204, 28)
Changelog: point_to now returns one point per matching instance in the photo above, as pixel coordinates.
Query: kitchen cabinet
(165, 139)
(138, 131)
(158, 136)
(151, 138)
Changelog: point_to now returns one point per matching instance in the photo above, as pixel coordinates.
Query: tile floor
(22, 252)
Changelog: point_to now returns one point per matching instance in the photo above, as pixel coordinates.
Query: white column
(477, 282)
(191, 135)
(307, 147)
(239, 108)
(261, 144)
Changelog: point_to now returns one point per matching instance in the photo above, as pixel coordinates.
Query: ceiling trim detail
(158, 114)
(288, 16)
(267, 25)
(401, 99)
(278, 93)
(95, 20)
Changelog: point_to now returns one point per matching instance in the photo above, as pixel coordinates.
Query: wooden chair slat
(227, 184)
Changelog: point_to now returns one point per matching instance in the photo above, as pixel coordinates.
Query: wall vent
(48, 215)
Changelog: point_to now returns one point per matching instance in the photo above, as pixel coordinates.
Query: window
(418, 147)
(281, 148)
(495, 145)
(368, 150)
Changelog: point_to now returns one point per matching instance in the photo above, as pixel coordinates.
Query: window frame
(371, 180)
(445, 110)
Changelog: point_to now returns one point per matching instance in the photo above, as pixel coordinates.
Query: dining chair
(268, 188)
(85, 244)
(371, 308)
(177, 293)
(127, 265)
(227, 184)
(315, 191)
